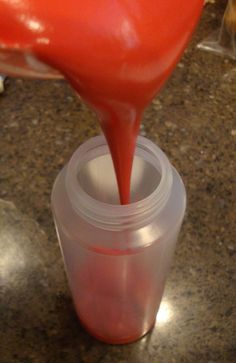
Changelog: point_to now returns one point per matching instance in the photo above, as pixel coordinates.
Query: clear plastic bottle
(117, 256)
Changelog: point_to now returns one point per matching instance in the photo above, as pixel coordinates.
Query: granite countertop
(194, 122)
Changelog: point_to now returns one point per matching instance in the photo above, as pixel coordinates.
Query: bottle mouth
(109, 215)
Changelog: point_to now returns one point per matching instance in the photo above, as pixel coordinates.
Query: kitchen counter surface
(194, 122)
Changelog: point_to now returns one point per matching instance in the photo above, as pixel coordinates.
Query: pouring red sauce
(115, 53)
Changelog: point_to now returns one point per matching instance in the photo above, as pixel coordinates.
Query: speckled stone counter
(194, 122)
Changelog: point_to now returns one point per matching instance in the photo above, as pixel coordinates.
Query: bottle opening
(92, 187)
(97, 178)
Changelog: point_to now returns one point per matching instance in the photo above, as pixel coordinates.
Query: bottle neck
(116, 217)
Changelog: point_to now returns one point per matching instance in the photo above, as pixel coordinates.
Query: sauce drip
(115, 53)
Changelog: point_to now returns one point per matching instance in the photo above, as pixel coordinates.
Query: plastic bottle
(117, 257)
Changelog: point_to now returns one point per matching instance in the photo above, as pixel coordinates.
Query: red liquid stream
(116, 54)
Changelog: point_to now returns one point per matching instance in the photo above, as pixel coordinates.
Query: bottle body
(117, 260)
